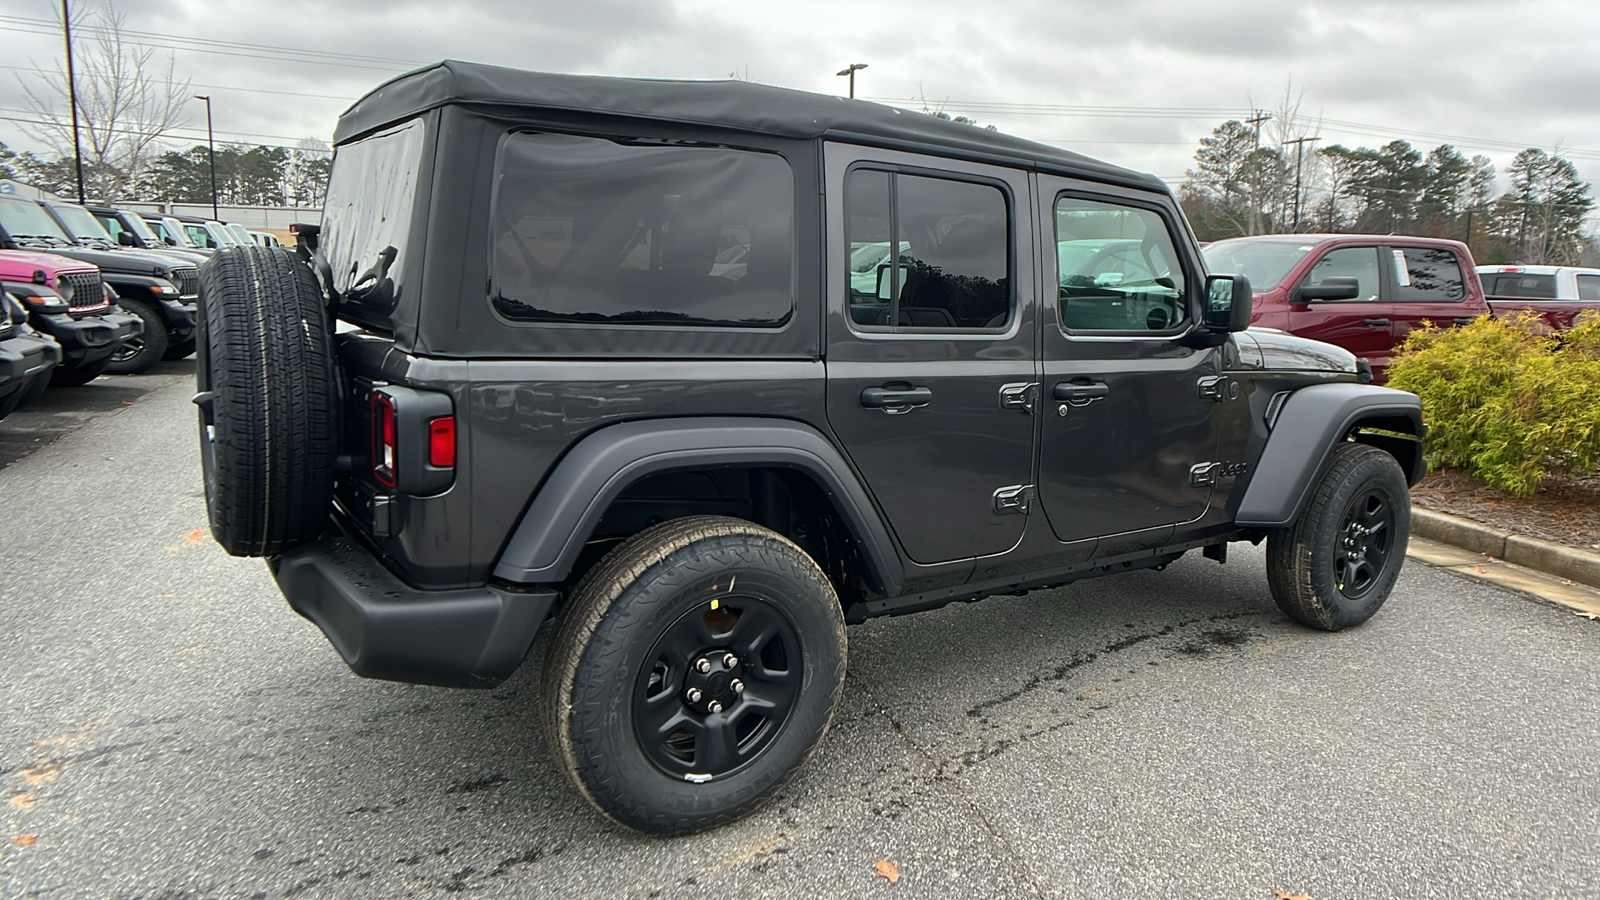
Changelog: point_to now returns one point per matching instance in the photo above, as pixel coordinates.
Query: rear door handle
(1069, 391)
(1374, 321)
(896, 400)
(1464, 320)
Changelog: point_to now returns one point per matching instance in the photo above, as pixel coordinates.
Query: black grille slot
(188, 279)
(86, 290)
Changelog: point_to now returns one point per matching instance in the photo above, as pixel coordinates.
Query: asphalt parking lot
(173, 730)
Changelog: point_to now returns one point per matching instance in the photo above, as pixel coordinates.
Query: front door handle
(1464, 320)
(1375, 321)
(1080, 392)
(896, 400)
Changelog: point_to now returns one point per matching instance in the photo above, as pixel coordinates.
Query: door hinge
(1019, 395)
(1014, 498)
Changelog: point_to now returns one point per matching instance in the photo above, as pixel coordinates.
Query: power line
(213, 87)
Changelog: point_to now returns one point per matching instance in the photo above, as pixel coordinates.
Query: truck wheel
(179, 350)
(268, 403)
(140, 353)
(78, 375)
(696, 668)
(1334, 567)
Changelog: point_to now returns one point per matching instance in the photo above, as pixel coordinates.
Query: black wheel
(696, 668)
(141, 352)
(268, 403)
(1335, 567)
(64, 376)
(179, 350)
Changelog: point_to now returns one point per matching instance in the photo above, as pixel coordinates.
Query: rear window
(590, 230)
(1589, 287)
(1517, 284)
(1428, 275)
(364, 225)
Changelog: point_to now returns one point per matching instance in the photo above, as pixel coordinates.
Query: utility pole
(72, 97)
(1255, 172)
(851, 71)
(1299, 143)
(211, 151)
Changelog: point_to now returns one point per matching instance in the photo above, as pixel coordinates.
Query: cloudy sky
(1136, 82)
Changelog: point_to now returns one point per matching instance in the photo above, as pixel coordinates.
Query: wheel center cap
(717, 683)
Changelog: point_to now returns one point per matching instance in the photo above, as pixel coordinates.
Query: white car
(1541, 282)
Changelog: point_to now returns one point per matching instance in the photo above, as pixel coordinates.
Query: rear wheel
(1336, 565)
(138, 354)
(696, 668)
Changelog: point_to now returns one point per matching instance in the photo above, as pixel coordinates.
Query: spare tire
(268, 400)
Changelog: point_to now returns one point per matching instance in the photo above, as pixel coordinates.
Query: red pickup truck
(1365, 293)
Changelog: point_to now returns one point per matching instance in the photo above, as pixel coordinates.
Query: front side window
(594, 230)
(1117, 269)
(1360, 263)
(927, 254)
(1428, 275)
(1589, 287)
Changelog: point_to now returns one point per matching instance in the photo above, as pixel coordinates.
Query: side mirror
(1228, 301)
(1336, 287)
(126, 239)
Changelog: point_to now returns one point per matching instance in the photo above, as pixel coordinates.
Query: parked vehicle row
(1366, 293)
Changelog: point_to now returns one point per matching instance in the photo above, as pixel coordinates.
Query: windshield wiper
(49, 239)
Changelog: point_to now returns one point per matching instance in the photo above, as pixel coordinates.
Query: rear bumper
(384, 628)
(24, 356)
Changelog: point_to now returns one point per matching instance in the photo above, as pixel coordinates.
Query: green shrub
(1507, 401)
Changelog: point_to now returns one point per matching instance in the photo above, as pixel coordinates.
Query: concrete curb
(1560, 560)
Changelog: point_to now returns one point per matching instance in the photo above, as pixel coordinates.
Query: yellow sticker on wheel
(714, 603)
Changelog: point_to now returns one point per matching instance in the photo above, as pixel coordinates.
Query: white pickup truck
(1557, 293)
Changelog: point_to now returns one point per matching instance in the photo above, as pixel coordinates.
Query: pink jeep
(67, 300)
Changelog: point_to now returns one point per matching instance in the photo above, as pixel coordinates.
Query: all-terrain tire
(615, 633)
(1334, 567)
(64, 376)
(180, 349)
(144, 351)
(268, 400)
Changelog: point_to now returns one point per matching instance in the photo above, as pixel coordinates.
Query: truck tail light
(442, 442)
(385, 447)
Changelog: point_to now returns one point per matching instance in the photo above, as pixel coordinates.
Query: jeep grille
(87, 291)
(188, 279)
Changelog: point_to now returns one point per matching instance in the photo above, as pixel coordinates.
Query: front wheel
(1335, 566)
(138, 354)
(696, 668)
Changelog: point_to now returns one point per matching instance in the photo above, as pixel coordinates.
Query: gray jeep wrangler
(694, 374)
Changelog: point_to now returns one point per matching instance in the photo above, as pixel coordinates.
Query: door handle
(896, 400)
(1374, 321)
(1464, 320)
(1072, 391)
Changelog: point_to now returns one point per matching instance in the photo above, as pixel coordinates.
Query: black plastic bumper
(23, 356)
(89, 339)
(385, 628)
(180, 317)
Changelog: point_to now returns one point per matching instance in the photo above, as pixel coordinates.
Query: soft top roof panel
(737, 105)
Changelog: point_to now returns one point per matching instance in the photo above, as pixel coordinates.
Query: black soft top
(740, 105)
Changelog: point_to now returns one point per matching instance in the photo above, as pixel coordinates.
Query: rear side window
(1516, 284)
(1117, 269)
(1589, 287)
(364, 225)
(1428, 275)
(593, 230)
(1360, 263)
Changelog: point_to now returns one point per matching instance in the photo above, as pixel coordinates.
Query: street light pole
(851, 72)
(72, 97)
(211, 151)
(1298, 144)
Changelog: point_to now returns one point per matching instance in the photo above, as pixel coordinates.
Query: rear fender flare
(546, 542)
(1311, 423)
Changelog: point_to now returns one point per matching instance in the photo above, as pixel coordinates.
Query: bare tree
(127, 102)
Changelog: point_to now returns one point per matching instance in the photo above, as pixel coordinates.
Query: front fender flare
(552, 532)
(1312, 422)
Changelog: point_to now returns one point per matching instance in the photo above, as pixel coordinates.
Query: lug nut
(730, 661)
(737, 685)
(702, 665)
(715, 707)
(694, 695)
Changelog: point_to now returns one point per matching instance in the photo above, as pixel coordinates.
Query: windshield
(172, 228)
(220, 233)
(242, 233)
(1265, 263)
(24, 218)
(137, 225)
(80, 222)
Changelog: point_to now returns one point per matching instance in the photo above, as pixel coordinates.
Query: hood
(124, 262)
(1280, 351)
(19, 265)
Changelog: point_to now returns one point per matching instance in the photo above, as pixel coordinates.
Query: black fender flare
(546, 542)
(1313, 420)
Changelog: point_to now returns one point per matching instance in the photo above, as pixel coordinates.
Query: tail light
(413, 440)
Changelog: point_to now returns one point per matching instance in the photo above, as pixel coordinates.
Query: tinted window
(1360, 263)
(1428, 275)
(1117, 269)
(591, 230)
(1589, 287)
(1512, 284)
(952, 246)
(370, 194)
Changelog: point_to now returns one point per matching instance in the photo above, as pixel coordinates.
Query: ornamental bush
(1507, 401)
